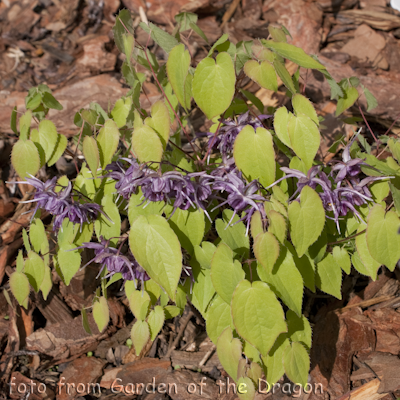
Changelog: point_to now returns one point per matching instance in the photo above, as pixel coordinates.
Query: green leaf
(139, 303)
(277, 225)
(371, 99)
(107, 140)
(25, 125)
(202, 288)
(256, 224)
(277, 34)
(283, 73)
(266, 250)
(254, 155)
(171, 312)
(263, 74)
(273, 361)
(218, 318)
(122, 22)
(146, 144)
(297, 363)
(140, 335)
(13, 120)
(304, 138)
(66, 235)
(25, 158)
(220, 41)
(342, 258)
(177, 69)
(19, 286)
(85, 321)
(371, 266)
(47, 137)
(162, 38)
(61, 145)
(137, 207)
(229, 352)
(281, 121)
(25, 240)
(233, 235)
(383, 239)
(245, 389)
(160, 121)
(153, 290)
(109, 227)
(121, 111)
(68, 261)
(184, 19)
(33, 101)
(350, 97)
(50, 102)
(285, 280)
(302, 105)
(293, 53)
(253, 99)
(34, 270)
(257, 315)
(299, 329)
(101, 313)
(47, 283)
(91, 153)
(37, 235)
(380, 190)
(225, 272)
(157, 249)
(307, 220)
(156, 321)
(214, 84)
(329, 276)
(204, 254)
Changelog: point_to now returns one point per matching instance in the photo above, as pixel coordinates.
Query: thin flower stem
(348, 238)
(212, 142)
(369, 128)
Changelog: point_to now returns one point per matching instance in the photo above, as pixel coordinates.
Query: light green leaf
(257, 315)
(47, 283)
(146, 144)
(85, 321)
(157, 249)
(139, 302)
(139, 206)
(342, 258)
(371, 266)
(61, 145)
(171, 312)
(177, 69)
(229, 352)
(383, 239)
(153, 290)
(305, 138)
(37, 234)
(266, 250)
(156, 321)
(350, 97)
(189, 226)
(202, 288)
(13, 120)
(307, 220)
(101, 314)
(284, 75)
(68, 261)
(47, 138)
(25, 158)
(107, 141)
(218, 318)
(302, 105)
(220, 41)
(162, 38)
(254, 155)
(25, 125)
(34, 101)
(299, 329)
(297, 363)
(34, 270)
(204, 254)
(140, 335)
(109, 228)
(121, 110)
(371, 99)
(263, 74)
(225, 272)
(329, 276)
(293, 53)
(281, 121)
(160, 121)
(214, 84)
(91, 153)
(19, 286)
(66, 235)
(277, 225)
(380, 190)
(50, 102)
(245, 389)
(233, 235)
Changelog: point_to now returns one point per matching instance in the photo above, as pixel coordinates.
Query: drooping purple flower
(61, 204)
(114, 261)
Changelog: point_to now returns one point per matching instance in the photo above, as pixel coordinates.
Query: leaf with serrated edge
(383, 239)
(101, 313)
(329, 276)
(263, 74)
(350, 97)
(48, 137)
(34, 270)
(177, 69)
(225, 272)
(297, 363)
(257, 315)
(47, 283)
(266, 250)
(121, 110)
(25, 158)
(229, 352)
(68, 261)
(214, 84)
(156, 321)
(299, 329)
(61, 145)
(218, 318)
(204, 254)
(302, 105)
(137, 207)
(161, 121)
(19, 286)
(202, 288)
(367, 260)
(139, 302)
(245, 389)
(140, 335)
(109, 227)
(305, 138)
(146, 144)
(307, 220)
(342, 258)
(107, 141)
(91, 153)
(37, 234)
(254, 155)
(277, 225)
(281, 121)
(157, 249)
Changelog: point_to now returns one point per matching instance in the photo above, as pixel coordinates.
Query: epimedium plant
(213, 218)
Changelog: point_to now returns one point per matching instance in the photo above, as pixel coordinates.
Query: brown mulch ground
(68, 45)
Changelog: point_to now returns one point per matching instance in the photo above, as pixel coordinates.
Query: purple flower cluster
(114, 261)
(61, 204)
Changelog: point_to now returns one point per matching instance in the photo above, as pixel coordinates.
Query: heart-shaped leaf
(264, 74)
(229, 352)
